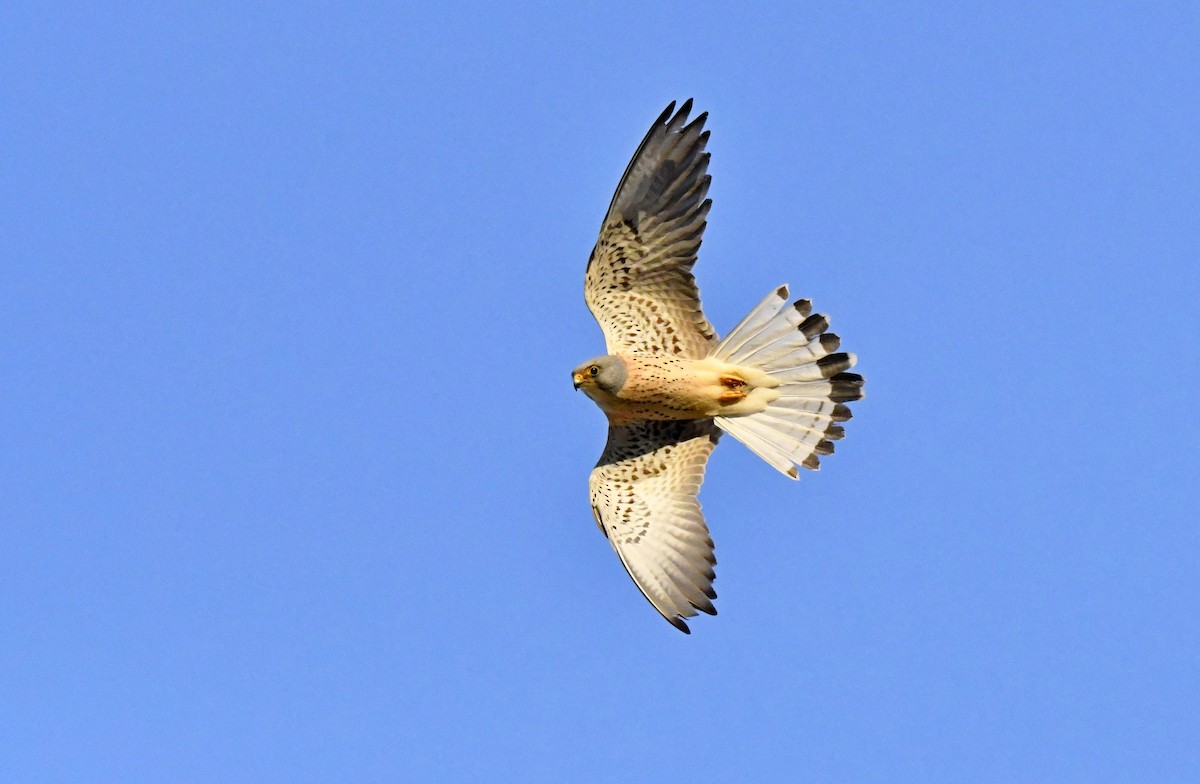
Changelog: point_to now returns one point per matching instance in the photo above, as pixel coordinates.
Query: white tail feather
(803, 439)
(813, 370)
(778, 333)
(752, 324)
(817, 422)
(793, 348)
(821, 406)
(783, 352)
(775, 457)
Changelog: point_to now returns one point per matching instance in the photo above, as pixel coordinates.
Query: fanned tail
(791, 345)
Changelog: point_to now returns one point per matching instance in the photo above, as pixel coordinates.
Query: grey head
(605, 373)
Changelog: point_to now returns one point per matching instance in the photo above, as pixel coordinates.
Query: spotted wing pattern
(643, 494)
(639, 282)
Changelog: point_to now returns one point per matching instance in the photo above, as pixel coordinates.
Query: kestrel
(669, 387)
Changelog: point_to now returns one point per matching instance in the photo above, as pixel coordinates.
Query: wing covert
(639, 282)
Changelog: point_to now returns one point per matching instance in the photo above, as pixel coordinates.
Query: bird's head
(602, 374)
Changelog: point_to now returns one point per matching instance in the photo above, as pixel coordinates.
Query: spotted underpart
(658, 387)
(643, 494)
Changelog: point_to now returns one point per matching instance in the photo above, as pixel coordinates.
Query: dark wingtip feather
(676, 123)
(824, 448)
(841, 412)
(803, 307)
(666, 114)
(812, 463)
(678, 623)
(830, 342)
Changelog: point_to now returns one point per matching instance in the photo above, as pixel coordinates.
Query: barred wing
(643, 494)
(639, 282)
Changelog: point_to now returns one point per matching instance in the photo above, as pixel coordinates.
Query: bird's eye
(593, 371)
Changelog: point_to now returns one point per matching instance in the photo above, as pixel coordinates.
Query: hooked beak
(578, 378)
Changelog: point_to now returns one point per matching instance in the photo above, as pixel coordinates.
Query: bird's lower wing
(643, 494)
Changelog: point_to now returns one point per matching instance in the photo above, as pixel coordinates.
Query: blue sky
(293, 479)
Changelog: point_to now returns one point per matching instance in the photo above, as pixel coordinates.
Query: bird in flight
(668, 385)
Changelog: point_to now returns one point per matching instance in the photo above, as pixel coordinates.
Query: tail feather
(778, 333)
(825, 367)
(821, 407)
(789, 350)
(773, 455)
(842, 388)
(752, 324)
(803, 439)
(793, 347)
(822, 424)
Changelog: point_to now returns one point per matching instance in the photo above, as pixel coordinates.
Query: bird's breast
(670, 388)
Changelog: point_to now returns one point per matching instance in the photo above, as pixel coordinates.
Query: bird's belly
(670, 389)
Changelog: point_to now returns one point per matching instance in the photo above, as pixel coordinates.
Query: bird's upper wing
(643, 494)
(639, 282)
